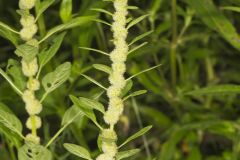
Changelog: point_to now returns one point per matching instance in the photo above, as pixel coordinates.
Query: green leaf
(141, 72)
(136, 93)
(78, 21)
(66, 10)
(216, 90)
(54, 79)
(31, 151)
(215, 20)
(94, 81)
(137, 47)
(137, 20)
(10, 121)
(70, 113)
(18, 91)
(102, 10)
(95, 50)
(140, 37)
(88, 112)
(136, 135)
(43, 6)
(126, 154)
(14, 70)
(169, 147)
(89, 103)
(127, 88)
(103, 68)
(9, 33)
(27, 52)
(47, 55)
(231, 8)
(78, 151)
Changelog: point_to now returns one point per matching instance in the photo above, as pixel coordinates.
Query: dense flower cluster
(30, 69)
(118, 57)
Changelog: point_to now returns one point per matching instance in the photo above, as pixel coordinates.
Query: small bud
(33, 84)
(30, 69)
(26, 4)
(33, 107)
(28, 94)
(27, 20)
(27, 33)
(32, 138)
(33, 42)
(34, 120)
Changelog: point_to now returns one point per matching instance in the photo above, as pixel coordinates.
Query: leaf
(31, 151)
(126, 154)
(127, 88)
(88, 112)
(11, 122)
(95, 50)
(14, 70)
(136, 93)
(169, 147)
(140, 37)
(94, 81)
(141, 72)
(78, 151)
(137, 20)
(54, 79)
(70, 114)
(231, 8)
(136, 135)
(66, 10)
(43, 6)
(216, 20)
(137, 47)
(102, 10)
(103, 68)
(216, 90)
(47, 55)
(9, 33)
(78, 21)
(18, 91)
(27, 52)
(89, 103)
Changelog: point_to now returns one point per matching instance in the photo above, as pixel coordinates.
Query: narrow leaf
(216, 90)
(134, 94)
(141, 72)
(71, 24)
(78, 151)
(136, 135)
(137, 47)
(140, 37)
(137, 20)
(102, 10)
(103, 68)
(94, 81)
(95, 50)
(126, 154)
(43, 6)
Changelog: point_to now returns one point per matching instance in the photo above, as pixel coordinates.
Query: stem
(34, 130)
(146, 144)
(173, 47)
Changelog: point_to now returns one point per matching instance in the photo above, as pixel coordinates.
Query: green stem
(173, 51)
(34, 130)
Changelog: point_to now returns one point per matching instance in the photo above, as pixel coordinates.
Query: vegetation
(119, 79)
